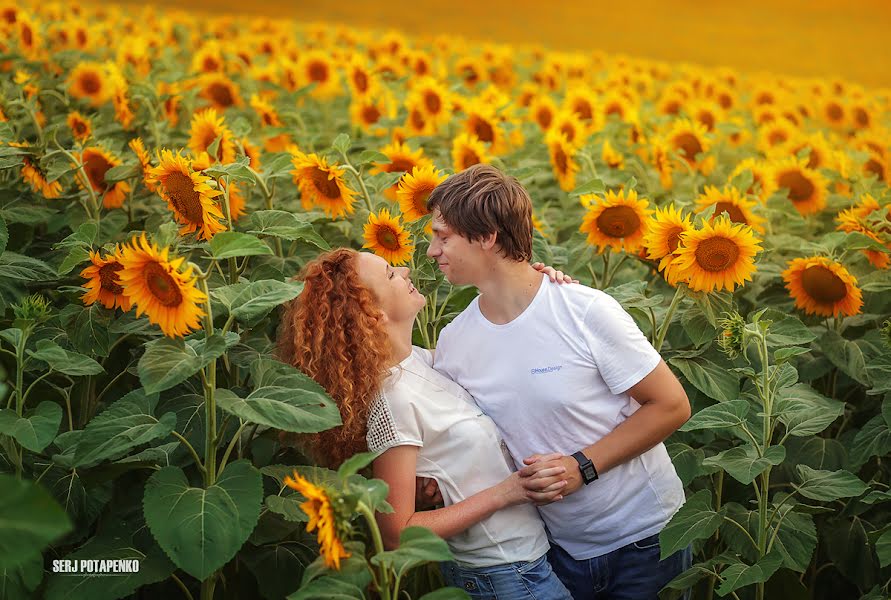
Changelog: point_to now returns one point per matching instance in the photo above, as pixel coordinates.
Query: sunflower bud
(30, 311)
(886, 332)
(731, 335)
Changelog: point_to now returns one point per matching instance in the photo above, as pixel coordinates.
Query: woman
(351, 331)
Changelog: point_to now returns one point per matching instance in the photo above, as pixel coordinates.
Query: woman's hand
(512, 491)
(555, 275)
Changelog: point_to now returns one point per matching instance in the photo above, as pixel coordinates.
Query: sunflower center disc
(161, 285)
(618, 221)
(318, 72)
(800, 187)
(823, 285)
(861, 117)
(431, 99)
(673, 239)
(875, 167)
(27, 36)
(417, 119)
(483, 130)
(420, 200)
(108, 277)
(707, 119)
(326, 187)
(400, 164)
(387, 238)
(583, 110)
(561, 160)
(181, 190)
(221, 94)
(736, 215)
(835, 112)
(544, 117)
(689, 145)
(716, 254)
(469, 158)
(361, 81)
(90, 83)
(96, 166)
(371, 114)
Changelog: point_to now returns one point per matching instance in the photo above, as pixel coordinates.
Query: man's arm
(664, 408)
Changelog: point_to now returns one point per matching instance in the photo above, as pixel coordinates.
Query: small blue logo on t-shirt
(544, 370)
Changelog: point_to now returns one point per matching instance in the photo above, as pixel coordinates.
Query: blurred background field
(820, 38)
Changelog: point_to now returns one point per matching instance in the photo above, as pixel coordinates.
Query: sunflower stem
(358, 176)
(94, 201)
(231, 445)
(604, 281)
(678, 295)
(366, 512)
(190, 448)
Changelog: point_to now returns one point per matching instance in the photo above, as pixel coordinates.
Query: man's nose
(433, 249)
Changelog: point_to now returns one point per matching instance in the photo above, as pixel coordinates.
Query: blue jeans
(633, 572)
(524, 580)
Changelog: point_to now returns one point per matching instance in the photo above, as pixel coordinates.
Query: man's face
(457, 257)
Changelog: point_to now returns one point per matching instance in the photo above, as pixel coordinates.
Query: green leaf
(285, 225)
(695, 520)
(796, 540)
(743, 463)
(712, 380)
(229, 244)
(804, 411)
(127, 423)
(739, 574)
(283, 398)
(723, 414)
(76, 256)
(786, 330)
(288, 507)
(4, 235)
(373, 156)
(593, 186)
(417, 545)
(64, 361)
(202, 529)
(36, 431)
(20, 583)
(29, 521)
(328, 588)
(88, 328)
(341, 143)
(24, 268)
(883, 549)
(250, 302)
(846, 355)
(786, 353)
(122, 173)
(874, 439)
(687, 461)
(356, 463)
(851, 550)
(168, 362)
(829, 485)
(278, 568)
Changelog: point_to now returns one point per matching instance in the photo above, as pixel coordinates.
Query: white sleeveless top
(460, 447)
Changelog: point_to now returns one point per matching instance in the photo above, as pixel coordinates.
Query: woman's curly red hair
(334, 333)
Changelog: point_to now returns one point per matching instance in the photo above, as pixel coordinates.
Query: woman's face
(397, 297)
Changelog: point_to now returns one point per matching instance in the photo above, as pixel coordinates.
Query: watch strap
(586, 467)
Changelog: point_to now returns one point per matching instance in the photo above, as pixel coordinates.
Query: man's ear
(489, 241)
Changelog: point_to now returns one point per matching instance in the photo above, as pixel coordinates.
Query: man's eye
(390, 275)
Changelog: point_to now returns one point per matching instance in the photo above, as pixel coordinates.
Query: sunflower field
(164, 175)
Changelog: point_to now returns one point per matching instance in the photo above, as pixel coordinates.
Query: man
(570, 380)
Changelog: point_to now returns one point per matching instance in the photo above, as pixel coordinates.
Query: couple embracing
(540, 414)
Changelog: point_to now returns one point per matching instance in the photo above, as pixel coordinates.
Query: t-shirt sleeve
(388, 428)
(622, 353)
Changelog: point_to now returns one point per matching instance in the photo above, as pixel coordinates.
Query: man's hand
(427, 494)
(539, 479)
(554, 275)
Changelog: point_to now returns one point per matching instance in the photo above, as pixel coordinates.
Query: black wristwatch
(589, 472)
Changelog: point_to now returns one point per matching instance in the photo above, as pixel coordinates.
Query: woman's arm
(396, 467)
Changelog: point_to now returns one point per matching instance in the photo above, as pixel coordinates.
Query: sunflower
(122, 112)
(29, 35)
(819, 153)
(265, 111)
(322, 185)
(319, 509)
(706, 113)
(821, 286)
(169, 94)
(220, 91)
(359, 76)
(367, 111)
(96, 163)
(205, 128)
(775, 137)
(156, 287)
(432, 98)
(102, 283)
(468, 150)
(562, 155)
(734, 203)
(252, 152)
(482, 121)
(690, 139)
(138, 148)
(664, 237)
(89, 81)
(663, 164)
(617, 106)
(416, 121)
(612, 158)
(875, 165)
(618, 221)
(579, 102)
(316, 66)
(572, 128)
(188, 195)
(763, 181)
(542, 111)
(415, 188)
(80, 126)
(208, 58)
(833, 113)
(402, 159)
(721, 255)
(807, 187)
(34, 176)
(670, 104)
(386, 237)
(866, 218)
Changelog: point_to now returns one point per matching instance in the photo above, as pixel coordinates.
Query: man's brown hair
(482, 200)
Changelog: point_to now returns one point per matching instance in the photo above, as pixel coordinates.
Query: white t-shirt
(555, 380)
(460, 447)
